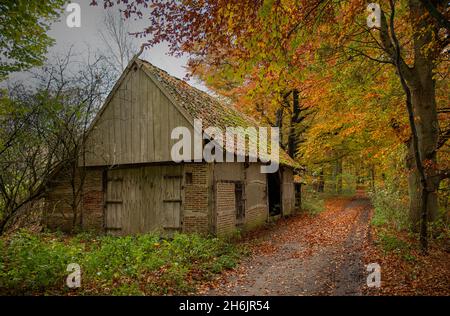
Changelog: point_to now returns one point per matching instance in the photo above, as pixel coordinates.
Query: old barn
(131, 184)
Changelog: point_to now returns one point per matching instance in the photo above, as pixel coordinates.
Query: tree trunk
(419, 87)
(372, 178)
(424, 104)
(3, 223)
(321, 184)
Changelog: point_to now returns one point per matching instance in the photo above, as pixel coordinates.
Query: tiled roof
(200, 105)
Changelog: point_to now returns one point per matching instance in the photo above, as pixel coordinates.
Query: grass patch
(389, 242)
(390, 217)
(130, 265)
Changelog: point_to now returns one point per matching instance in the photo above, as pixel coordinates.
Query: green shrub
(34, 263)
(126, 289)
(112, 265)
(440, 228)
(391, 207)
(391, 243)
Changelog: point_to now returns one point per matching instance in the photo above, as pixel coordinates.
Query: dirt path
(306, 255)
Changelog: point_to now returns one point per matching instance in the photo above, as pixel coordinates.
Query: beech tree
(264, 48)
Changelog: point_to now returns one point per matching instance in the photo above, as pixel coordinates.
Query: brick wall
(93, 201)
(59, 212)
(226, 208)
(195, 214)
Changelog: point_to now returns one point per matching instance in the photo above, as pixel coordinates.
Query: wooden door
(172, 202)
(114, 202)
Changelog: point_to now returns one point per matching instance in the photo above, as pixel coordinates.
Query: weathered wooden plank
(157, 117)
(135, 136)
(109, 129)
(115, 124)
(153, 198)
(150, 126)
(130, 120)
(113, 216)
(165, 135)
(143, 113)
(145, 198)
(142, 201)
(127, 122)
(171, 206)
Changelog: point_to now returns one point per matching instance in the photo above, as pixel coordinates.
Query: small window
(188, 177)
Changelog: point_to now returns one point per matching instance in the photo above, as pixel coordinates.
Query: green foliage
(34, 263)
(131, 289)
(24, 41)
(389, 242)
(130, 265)
(391, 207)
(440, 228)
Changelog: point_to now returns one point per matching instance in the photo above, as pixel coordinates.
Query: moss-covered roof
(211, 110)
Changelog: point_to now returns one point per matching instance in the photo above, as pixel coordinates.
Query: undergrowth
(131, 265)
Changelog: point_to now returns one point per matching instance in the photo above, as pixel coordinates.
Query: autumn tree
(264, 49)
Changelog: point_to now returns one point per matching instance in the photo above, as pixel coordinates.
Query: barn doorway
(274, 189)
(144, 199)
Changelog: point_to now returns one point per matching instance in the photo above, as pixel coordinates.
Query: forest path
(306, 255)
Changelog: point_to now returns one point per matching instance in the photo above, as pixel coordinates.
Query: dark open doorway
(273, 182)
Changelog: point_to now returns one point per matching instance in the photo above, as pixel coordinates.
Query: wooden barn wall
(288, 192)
(225, 208)
(229, 171)
(256, 203)
(135, 125)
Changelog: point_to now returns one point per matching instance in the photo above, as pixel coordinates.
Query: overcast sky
(87, 38)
